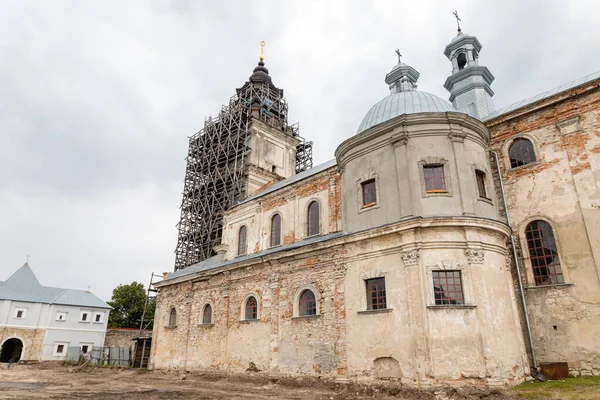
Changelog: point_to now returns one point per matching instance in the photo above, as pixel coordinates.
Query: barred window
(369, 192)
(480, 175)
(173, 317)
(276, 230)
(447, 287)
(521, 152)
(376, 294)
(242, 243)
(543, 253)
(308, 303)
(435, 181)
(251, 311)
(313, 219)
(207, 315)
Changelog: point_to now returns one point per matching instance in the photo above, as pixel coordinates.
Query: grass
(580, 388)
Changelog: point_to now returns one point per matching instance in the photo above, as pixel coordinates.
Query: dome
(406, 102)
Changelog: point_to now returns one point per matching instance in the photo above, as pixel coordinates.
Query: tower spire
(458, 20)
(262, 50)
(402, 77)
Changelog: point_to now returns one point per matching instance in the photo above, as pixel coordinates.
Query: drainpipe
(514, 250)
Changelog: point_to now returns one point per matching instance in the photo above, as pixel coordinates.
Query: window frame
(245, 308)
(530, 151)
(88, 315)
(239, 241)
(461, 285)
(308, 218)
(363, 185)
(369, 284)
(279, 228)
(203, 315)
(506, 148)
(21, 310)
(63, 313)
(435, 161)
(481, 182)
(441, 176)
(531, 277)
(467, 289)
(171, 319)
(98, 314)
(296, 304)
(63, 352)
(367, 176)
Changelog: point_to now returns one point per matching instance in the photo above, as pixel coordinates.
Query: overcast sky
(97, 100)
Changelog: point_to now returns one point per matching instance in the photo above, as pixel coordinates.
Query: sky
(98, 98)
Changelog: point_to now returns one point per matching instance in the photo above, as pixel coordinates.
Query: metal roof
(24, 286)
(217, 261)
(292, 179)
(405, 102)
(542, 96)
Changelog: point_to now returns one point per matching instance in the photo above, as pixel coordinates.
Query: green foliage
(128, 305)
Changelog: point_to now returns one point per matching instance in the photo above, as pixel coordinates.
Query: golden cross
(262, 49)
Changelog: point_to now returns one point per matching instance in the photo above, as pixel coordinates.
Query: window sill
(247, 321)
(98, 322)
(486, 200)
(311, 236)
(554, 285)
(84, 322)
(206, 325)
(531, 164)
(452, 307)
(60, 320)
(368, 207)
(170, 326)
(381, 310)
(304, 317)
(444, 193)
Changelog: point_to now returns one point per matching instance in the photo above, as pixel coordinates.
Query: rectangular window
(447, 288)
(84, 348)
(60, 349)
(61, 316)
(376, 294)
(98, 318)
(19, 313)
(369, 192)
(480, 175)
(85, 317)
(435, 181)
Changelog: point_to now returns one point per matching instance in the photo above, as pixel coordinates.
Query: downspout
(516, 259)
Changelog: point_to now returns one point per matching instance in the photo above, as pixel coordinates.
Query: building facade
(41, 322)
(394, 261)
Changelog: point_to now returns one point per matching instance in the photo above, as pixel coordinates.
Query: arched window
(313, 219)
(173, 317)
(521, 152)
(251, 308)
(543, 253)
(242, 244)
(462, 60)
(276, 230)
(207, 315)
(307, 303)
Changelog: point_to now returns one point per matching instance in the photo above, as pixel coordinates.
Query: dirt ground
(52, 381)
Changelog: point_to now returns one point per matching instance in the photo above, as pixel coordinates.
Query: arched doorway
(11, 350)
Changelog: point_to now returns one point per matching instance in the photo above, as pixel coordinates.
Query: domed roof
(405, 102)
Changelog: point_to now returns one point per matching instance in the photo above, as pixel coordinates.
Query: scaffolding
(216, 171)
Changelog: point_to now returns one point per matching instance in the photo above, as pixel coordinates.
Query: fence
(100, 355)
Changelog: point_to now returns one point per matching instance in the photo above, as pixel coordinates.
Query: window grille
(480, 175)
(308, 303)
(313, 219)
(251, 308)
(275, 230)
(369, 192)
(376, 294)
(207, 315)
(242, 244)
(521, 152)
(543, 253)
(447, 287)
(435, 181)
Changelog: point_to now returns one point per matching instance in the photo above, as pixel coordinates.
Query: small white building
(40, 322)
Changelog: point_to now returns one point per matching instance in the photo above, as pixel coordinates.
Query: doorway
(11, 350)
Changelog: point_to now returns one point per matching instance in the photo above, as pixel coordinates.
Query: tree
(128, 306)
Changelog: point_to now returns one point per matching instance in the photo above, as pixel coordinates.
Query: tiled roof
(542, 96)
(24, 286)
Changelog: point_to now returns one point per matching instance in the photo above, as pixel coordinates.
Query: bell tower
(469, 83)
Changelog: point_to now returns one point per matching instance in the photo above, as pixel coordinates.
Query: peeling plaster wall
(563, 188)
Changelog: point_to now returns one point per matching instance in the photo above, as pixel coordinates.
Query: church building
(446, 243)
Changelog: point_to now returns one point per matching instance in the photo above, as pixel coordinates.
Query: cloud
(98, 99)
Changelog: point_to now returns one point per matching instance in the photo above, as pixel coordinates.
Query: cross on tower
(27, 258)
(399, 56)
(262, 50)
(457, 19)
